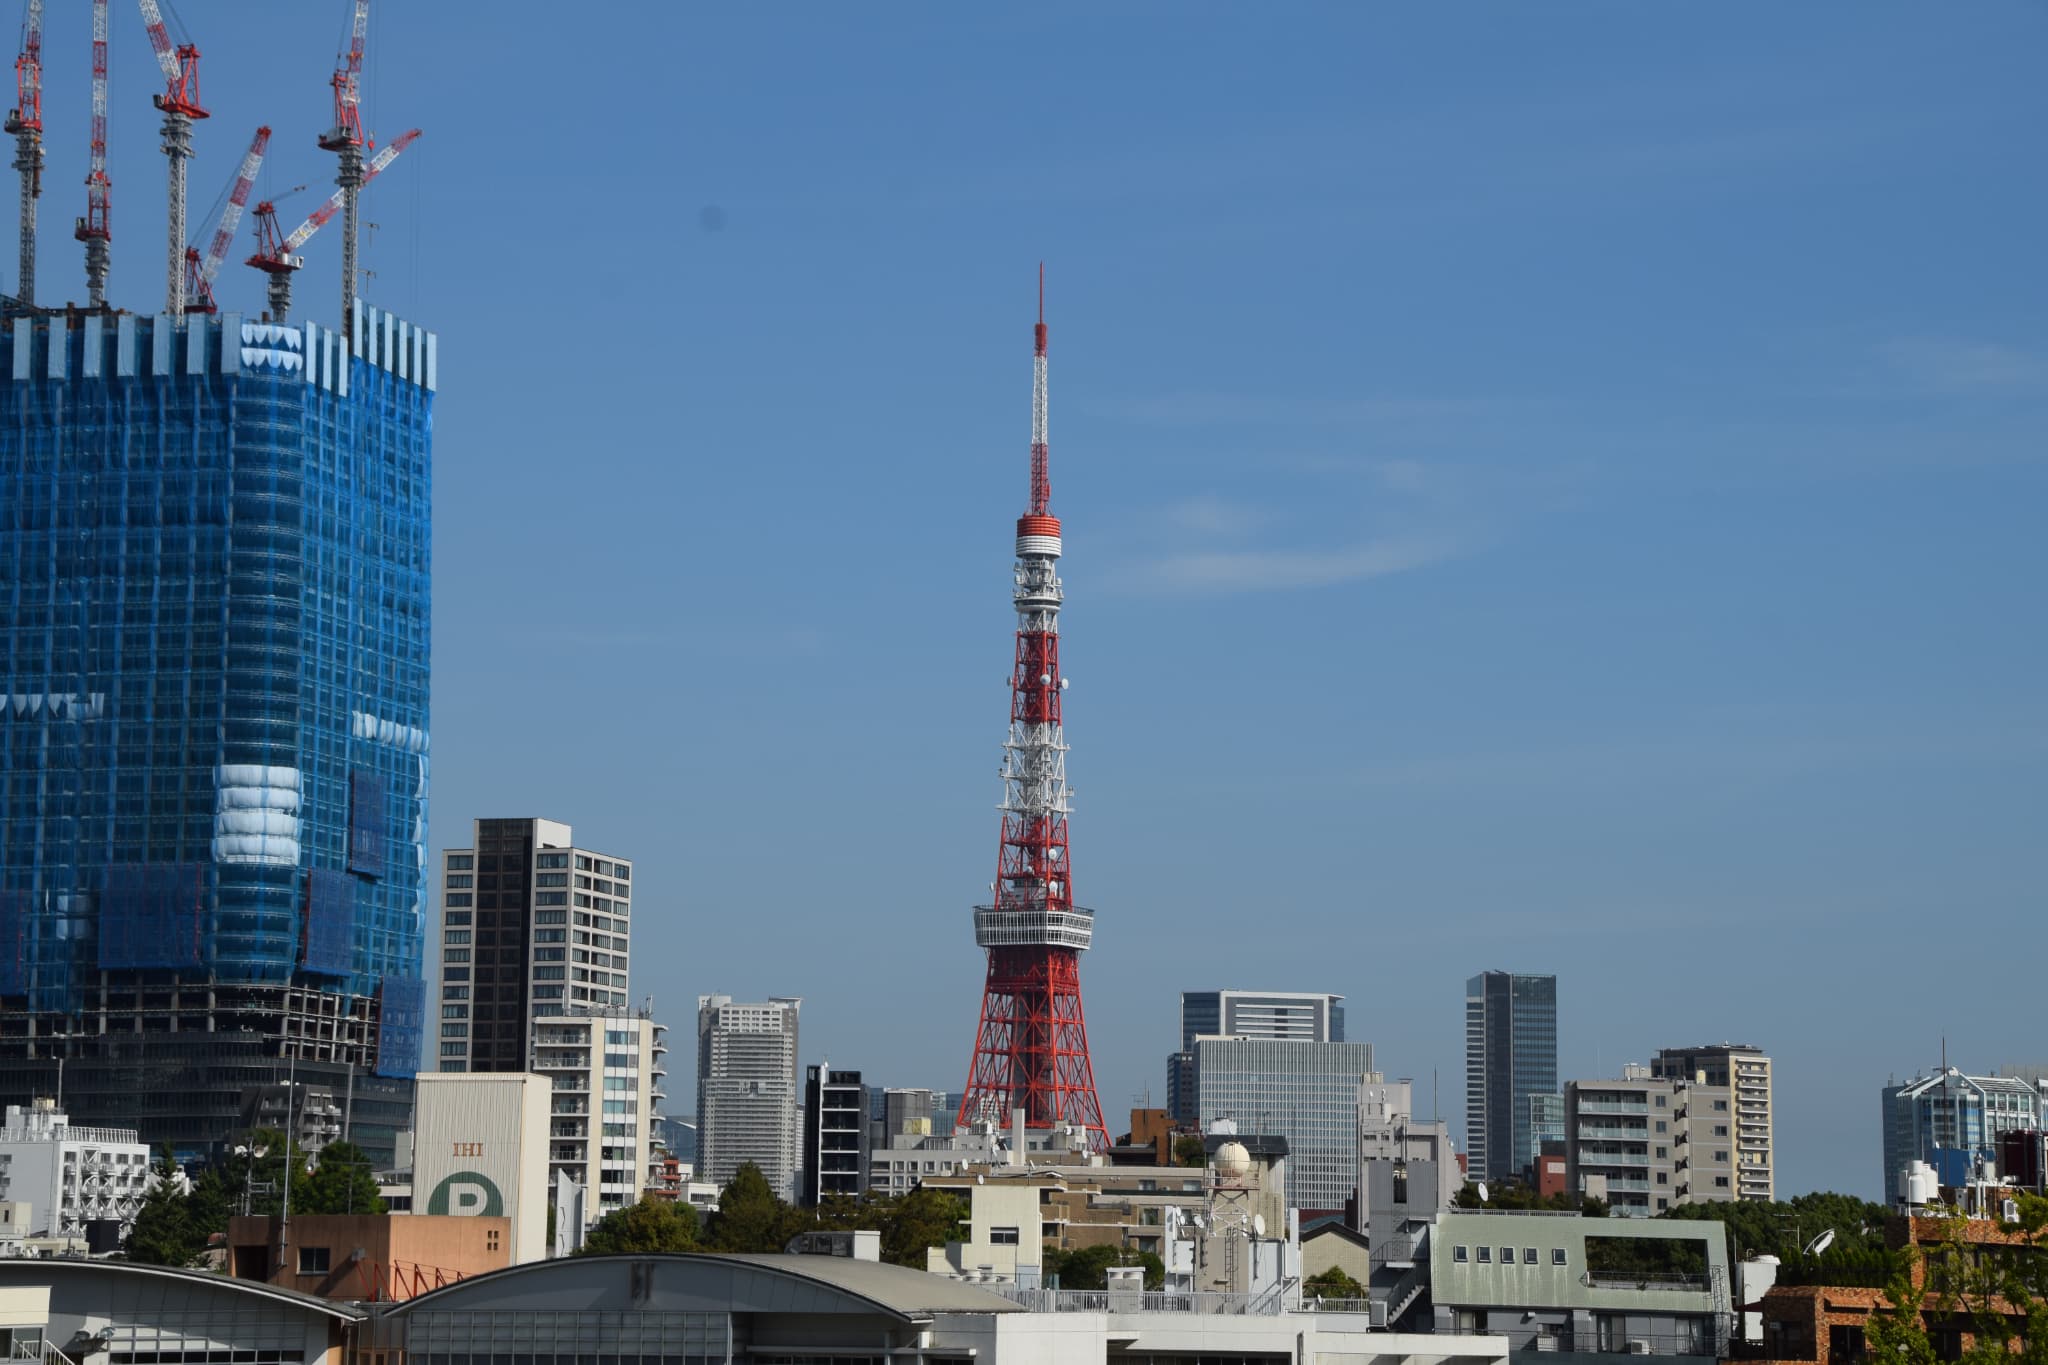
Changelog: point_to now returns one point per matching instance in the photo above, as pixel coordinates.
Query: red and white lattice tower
(1031, 1050)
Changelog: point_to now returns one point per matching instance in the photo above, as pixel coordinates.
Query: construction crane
(25, 121)
(199, 271)
(274, 253)
(180, 106)
(345, 138)
(96, 228)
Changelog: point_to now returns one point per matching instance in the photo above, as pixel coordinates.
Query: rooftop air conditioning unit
(1637, 1346)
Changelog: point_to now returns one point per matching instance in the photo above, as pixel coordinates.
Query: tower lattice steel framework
(1031, 1050)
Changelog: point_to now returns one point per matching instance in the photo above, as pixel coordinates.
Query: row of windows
(1507, 1255)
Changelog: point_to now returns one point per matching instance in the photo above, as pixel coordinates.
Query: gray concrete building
(748, 1097)
(1647, 1144)
(1305, 1092)
(1407, 1174)
(1747, 1072)
(1300, 1016)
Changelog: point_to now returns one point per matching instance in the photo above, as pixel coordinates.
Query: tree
(1333, 1283)
(1519, 1196)
(1895, 1332)
(652, 1225)
(1088, 1267)
(1190, 1151)
(341, 1183)
(750, 1216)
(163, 1232)
(918, 1221)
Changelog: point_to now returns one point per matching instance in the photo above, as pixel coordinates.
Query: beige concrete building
(1647, 1144)
(1747, 1072)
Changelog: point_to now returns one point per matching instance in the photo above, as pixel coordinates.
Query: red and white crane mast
(275, 251)
(180, 106)
(199, 271)
(1031, 1046)
(25, 121)
(95, 229)
(345, 139)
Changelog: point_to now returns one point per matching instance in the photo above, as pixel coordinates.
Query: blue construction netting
(152, 915)
(366, 831)
(330, 923)
(13, 942)
(401, 1023)
(215, 560)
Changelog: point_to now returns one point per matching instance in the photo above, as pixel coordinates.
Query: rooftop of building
(172, 1281)
(896, 1290)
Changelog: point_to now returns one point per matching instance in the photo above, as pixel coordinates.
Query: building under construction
(214, 647)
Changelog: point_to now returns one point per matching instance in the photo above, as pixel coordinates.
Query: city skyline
(1575, 479)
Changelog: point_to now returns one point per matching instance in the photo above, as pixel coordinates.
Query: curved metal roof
(720, 1283)
(39, 1272)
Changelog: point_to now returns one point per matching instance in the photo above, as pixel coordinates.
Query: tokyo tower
(1031, 1049)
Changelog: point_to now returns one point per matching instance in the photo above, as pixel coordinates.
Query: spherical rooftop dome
(1233, 1161)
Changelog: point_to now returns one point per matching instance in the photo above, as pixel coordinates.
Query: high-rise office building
(607, 1073)
(214, 545)
(1305, 1092)
(1951, 1120)
(1299, 1015)
(1510, 1054)
(748, 1103)
(532, 927)
(835, 1135)
(1746, 1073)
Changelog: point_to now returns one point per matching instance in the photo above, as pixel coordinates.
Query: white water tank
(1918, 1186)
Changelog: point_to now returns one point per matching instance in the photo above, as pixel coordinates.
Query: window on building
(1845, 1343)
(1507, 1255)
(1662, 1179)
(1003, 1237)
(1486, 1255)
(314, 1260)
(1528, 1255)
(1720, 1130)
(1460, 1255)
(1557, 1255)
(1660, 1125)
(1660, 1101)
(1721, 1181)
(1663, 1151)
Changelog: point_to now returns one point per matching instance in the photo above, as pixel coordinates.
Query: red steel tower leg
(1031, 1050)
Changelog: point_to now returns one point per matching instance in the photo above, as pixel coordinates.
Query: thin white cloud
(1949, 367)
(1271, 570)
(1210, 515)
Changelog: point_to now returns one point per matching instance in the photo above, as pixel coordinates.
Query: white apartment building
(1747, 1072)
(606, 1075)
(749, 1104)
(68, 1175)
(532, 927)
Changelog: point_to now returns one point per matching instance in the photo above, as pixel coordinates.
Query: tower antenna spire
(1031, 1049)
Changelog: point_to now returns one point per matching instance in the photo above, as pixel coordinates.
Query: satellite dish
(1258, 1225)
(1821, 1243)
(1482, 1191)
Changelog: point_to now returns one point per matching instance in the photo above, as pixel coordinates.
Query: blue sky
(1546, 487)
